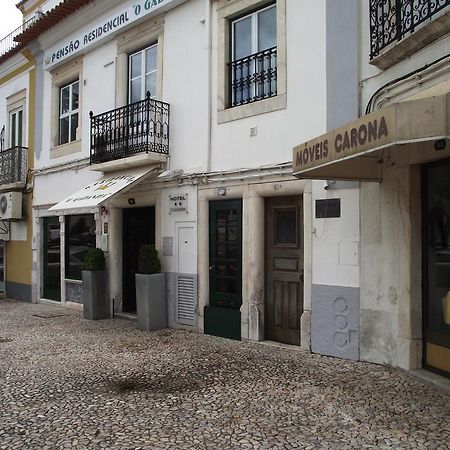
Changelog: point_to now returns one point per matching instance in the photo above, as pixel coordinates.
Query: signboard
(178, 203)
(369, 132)
(131, 12)
(97, 192)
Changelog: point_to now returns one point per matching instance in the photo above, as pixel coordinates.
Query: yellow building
(17, 141)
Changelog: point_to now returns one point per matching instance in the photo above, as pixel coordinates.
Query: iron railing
(140, 127)
(391, 20)
(13, 165)
(254, 77)
(9, 43)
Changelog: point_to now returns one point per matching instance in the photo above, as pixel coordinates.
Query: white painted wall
(169, 222)
(305, 117)
(336, 259)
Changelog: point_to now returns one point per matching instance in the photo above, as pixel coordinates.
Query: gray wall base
(18, 291)
(335, 321)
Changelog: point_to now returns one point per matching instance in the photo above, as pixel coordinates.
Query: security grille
(186, 299)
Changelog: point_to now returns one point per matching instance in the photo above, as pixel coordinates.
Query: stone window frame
(62, 76)
(15, 102)
(226, 11)
(135, 39)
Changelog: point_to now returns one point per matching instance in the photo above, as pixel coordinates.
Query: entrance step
(125, 316)
(432, 378)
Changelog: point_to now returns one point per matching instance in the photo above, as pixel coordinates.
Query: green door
(52, 259)
(222, 316)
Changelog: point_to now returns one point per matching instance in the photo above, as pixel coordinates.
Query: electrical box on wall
(11, 206)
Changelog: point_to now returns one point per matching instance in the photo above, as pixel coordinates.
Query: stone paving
(69, 383)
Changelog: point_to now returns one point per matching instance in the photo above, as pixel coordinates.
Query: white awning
(94, 194)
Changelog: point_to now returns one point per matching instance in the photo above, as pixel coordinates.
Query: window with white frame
(68, 112)
(16, 128)
(142, 73)
(253, 67)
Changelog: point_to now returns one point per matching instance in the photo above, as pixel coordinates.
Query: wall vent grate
(186, 305)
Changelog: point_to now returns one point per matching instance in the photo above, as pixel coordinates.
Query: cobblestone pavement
(69, 383)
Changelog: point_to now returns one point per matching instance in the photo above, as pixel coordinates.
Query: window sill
(426, 35)
(65, 149)
(252, 109)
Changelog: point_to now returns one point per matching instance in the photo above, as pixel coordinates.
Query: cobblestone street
(69, 383)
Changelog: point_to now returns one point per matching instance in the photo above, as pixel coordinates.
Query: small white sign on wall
(178, 203)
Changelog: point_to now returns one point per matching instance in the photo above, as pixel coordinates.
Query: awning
(411, 132)
(94, 194)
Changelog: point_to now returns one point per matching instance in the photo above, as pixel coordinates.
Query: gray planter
(151, 304)
(95, 294)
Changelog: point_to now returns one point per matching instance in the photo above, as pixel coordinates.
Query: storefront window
(80, 237)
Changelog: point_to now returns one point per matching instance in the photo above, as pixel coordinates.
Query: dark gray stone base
(18, 291)
(335, 321)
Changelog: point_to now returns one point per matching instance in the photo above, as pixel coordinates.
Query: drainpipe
(209, 58)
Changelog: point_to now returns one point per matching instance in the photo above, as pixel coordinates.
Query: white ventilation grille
(186, 299)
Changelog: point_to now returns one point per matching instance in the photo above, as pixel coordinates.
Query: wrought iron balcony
(392, 20)
(254, 77)
(13, 166)
(140, 127)
(9, 43)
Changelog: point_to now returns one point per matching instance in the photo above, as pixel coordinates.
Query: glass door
(436, 220)
(52, 259)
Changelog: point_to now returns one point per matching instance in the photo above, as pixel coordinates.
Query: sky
(10, 17)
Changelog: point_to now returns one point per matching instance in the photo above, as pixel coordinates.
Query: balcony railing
(13, 166)
(392, 20)
(140, 127)
(9, 43)
(254, 77)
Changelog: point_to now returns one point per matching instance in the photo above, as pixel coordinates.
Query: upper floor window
(16, 128)
(142, 73)
(68, 112)
(254, 56)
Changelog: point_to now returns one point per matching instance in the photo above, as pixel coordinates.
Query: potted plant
(150, 291)
(95, 287)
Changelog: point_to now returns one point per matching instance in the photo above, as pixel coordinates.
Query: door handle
(302, 275)
(211, 267)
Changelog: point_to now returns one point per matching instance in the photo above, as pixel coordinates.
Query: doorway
(222, 315)
(2, 267)
(284, 269)
(436, 267)
(138, 229)
(52, 259)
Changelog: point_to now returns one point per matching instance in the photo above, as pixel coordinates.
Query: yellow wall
(19, 253)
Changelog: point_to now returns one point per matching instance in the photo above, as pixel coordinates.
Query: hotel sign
(369, 132)
(94, 33)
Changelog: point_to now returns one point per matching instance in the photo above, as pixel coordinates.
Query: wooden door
(284, 269)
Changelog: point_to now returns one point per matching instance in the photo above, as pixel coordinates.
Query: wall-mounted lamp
(131, 201)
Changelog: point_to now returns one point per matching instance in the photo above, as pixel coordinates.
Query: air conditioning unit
(11, 206)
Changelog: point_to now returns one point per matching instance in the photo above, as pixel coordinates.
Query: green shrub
(95, 259)
(148, 261)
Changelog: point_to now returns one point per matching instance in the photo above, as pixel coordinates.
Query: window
(80, 237)
(15, 128)
(142, 73)
(254, 56)
(68, 112)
